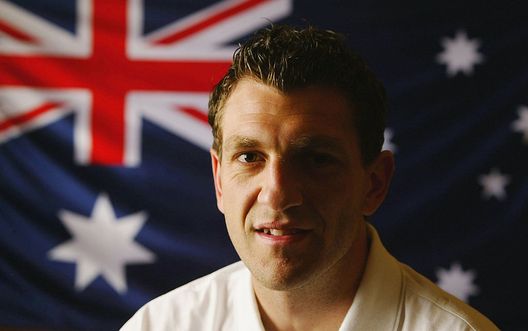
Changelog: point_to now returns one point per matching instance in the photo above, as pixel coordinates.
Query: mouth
(281, 235)
(280, 232)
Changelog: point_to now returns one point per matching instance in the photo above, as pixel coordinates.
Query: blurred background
(106, 195)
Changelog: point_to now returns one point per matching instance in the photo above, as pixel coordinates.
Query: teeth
(277, 232)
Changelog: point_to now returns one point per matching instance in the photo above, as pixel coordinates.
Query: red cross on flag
(111, 74)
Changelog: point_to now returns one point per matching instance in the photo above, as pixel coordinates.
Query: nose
(281, 187)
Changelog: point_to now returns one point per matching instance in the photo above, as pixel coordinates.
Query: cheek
(334, 196)
(343, 222)
(238, 199)
(340, 210)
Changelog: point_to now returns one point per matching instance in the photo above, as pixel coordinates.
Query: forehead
(259, 112)
(253, 98)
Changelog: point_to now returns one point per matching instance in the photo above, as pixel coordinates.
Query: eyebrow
(238, 142)
(316, 142)
(299, 143)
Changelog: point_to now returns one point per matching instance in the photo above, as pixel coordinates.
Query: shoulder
(426, 305)
(188, 306)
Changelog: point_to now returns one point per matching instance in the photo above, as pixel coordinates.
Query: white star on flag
(387, 143)
(521, 124)
(457, 281)
(494, 184)
(102, 244)
(460, 54)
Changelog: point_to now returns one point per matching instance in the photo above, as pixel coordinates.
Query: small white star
(102, 244)
(521, 124)
(460, 54)
(387, 143)
(494, 184)
(457, 281)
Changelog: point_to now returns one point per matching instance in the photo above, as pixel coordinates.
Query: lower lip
(284, 239)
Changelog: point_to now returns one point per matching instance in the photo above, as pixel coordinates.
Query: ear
(379, 175)
(215, 162)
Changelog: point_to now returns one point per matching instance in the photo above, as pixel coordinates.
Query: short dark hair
(289, 58)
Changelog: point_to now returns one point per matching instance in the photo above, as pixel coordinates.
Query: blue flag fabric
(106, 193)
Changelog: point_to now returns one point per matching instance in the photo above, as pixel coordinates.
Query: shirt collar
(246, 312)
(377, 302)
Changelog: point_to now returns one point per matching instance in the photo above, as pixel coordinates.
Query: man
(298, 125)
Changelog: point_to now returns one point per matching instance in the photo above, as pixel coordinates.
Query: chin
(282, 277)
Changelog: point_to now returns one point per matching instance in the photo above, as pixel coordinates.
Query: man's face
(290, 182)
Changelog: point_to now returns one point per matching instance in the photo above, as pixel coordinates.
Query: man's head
(298, 124)
(287, 59)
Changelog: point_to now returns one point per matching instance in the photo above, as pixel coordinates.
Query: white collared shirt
(391, 296)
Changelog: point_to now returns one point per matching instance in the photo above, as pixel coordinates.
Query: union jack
(111, 74)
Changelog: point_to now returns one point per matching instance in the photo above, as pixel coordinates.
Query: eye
(320, 160)
(249, 157)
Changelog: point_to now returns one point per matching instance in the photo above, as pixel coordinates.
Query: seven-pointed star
(460, 54)
(457, 281)
(494, 184)
(102, 244)
(521, 124)
(387, 141)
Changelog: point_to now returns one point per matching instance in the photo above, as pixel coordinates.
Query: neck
(320, 304)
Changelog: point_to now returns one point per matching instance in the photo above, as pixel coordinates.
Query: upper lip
(279, 225)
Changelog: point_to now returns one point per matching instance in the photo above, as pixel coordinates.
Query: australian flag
(106, 193)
